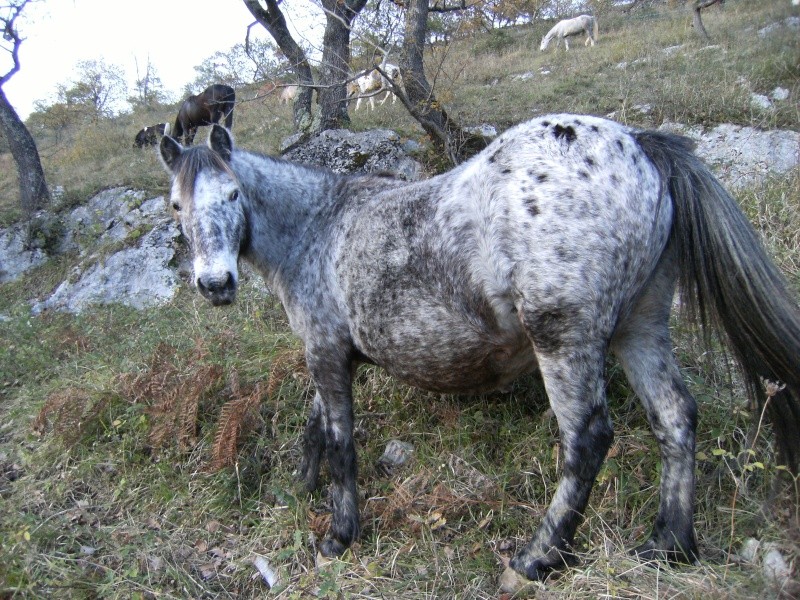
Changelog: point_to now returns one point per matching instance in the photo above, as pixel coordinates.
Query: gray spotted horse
(563, 240)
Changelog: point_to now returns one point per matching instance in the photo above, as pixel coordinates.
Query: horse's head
(208, 202)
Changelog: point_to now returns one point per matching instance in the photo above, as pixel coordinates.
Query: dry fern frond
(70, 413)
(174, 414)
(290, 362)
(172, 387)
(236, 420)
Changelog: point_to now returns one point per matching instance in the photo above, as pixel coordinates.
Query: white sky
(175, 35)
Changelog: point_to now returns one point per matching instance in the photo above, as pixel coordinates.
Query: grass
(110, 420)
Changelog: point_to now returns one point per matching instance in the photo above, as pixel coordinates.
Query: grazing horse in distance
(560, 243)
(206, 108)
(373, 83)
(288, 94)
(563, 29)
(149, 136)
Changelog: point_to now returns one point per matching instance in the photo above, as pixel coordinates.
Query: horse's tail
(594, 28)
(728, 281)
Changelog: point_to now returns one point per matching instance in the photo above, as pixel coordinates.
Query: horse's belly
(451, 359)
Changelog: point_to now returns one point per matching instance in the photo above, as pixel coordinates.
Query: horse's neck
(283, 200)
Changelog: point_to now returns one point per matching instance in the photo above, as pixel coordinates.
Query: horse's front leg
(575, 387)
(313, 444)
(330, 431)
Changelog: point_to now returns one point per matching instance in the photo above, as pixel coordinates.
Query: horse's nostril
(217, 286)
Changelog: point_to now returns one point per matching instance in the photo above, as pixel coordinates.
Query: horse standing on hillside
(206, 108)
(561, 241)
(373, 83)
(563, 29)
(288, 94)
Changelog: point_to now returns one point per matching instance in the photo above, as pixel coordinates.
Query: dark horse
(149, 136)
(562, 242)
(206, 108)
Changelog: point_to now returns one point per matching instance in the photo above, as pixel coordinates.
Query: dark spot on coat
(567, 133)
(541, 178)
(506, 171)
(584, 175)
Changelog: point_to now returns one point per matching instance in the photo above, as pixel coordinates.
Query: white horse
(563, 29)
(374, 83)
(288, 94)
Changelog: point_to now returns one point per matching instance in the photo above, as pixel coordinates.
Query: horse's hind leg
(643, 346)
(572, 368)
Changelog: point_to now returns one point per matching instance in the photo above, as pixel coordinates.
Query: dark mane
(192, 161)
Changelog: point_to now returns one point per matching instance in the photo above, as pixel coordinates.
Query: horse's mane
(192, 161)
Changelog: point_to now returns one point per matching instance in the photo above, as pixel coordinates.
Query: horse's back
(560, 214)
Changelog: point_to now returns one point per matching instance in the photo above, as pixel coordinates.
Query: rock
(139, 276)
(760, 101)
(397, 453)
(743, 156)
(17, 256)
(791, 23)
(484, 130)
(343, 151)
(779, 94)
(773, 564)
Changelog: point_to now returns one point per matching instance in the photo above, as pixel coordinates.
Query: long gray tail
(728, 282)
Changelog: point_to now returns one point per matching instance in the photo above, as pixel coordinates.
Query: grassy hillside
(152, 454)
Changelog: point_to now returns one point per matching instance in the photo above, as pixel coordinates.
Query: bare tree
(269, 15)
(97, 91)
(697, 20)
(335, 66)
(33, 191)
(419, 98)
(149, 89)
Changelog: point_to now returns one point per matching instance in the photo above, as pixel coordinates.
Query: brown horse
(206, 108)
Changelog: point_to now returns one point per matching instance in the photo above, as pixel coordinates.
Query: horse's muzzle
(219, 290)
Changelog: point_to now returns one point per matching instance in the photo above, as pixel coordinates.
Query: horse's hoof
(332, 548)
(651, 554)
(512, 582)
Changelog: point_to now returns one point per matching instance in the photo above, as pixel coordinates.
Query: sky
(175, 35)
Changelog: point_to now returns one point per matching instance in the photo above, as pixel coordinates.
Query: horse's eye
(234, 196)
(176, 207)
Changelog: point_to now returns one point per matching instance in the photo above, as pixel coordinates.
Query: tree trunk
(697, 20)
(33, 191)
(419, 99)
(274, 22)
(335, 66)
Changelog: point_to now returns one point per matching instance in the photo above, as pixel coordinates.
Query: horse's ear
(221, 142)
(169, 151)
